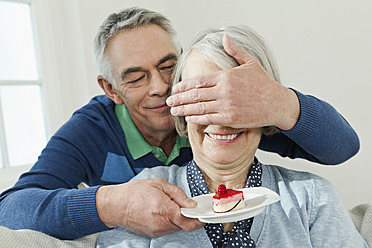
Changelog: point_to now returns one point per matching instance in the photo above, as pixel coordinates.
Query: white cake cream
(226, 200)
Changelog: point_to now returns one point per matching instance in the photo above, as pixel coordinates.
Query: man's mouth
(160, 108)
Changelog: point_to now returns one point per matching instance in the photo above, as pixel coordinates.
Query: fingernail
(174, 111)
(191, 203)
(170, 101)
(175, 88)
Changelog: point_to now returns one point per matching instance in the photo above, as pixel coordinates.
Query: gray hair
(209, 43)
(126, 19)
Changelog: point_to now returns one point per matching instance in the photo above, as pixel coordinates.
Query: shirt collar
(138, 147)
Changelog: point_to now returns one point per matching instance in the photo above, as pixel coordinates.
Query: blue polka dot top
(239, 236)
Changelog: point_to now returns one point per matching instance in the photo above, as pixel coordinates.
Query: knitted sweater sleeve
(321, 135)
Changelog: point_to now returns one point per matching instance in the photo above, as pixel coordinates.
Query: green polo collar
(137, 146)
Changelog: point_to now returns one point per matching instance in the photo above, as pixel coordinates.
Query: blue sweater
(91, 148)
(309, 214)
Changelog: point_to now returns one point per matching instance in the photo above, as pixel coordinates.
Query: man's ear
(109, 90)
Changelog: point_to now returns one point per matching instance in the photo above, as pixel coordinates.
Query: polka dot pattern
(239, 236)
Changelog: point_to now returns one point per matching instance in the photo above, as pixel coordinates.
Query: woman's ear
(109, 90)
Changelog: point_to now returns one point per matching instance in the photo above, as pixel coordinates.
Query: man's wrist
(308, 120)
(102, 205)
(292, 110)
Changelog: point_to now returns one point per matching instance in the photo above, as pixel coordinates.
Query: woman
(309, 214)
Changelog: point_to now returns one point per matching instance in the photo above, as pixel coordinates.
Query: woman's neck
(234, 176)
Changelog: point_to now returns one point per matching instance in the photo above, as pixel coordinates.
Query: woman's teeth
(223, 137)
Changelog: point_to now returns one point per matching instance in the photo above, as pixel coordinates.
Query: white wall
(323, 48)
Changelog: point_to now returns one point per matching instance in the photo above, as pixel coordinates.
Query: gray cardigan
(309, 214)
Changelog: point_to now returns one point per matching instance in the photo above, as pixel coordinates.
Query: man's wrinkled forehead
(146, 32)
(141, 49)
(146, 44)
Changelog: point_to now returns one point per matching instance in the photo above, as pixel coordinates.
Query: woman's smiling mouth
(223, 137)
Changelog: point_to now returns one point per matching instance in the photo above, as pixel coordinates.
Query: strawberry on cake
(226, 200)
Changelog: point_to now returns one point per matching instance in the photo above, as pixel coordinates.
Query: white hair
(208, 43)
(123, 20)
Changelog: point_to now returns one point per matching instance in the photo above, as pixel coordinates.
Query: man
(115, 136)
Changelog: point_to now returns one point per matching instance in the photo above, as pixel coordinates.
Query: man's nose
(159, 84)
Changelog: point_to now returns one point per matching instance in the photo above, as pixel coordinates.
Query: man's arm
(248, 97)
(149, 207)
(46, 199)
(321, 135)
(62, 213)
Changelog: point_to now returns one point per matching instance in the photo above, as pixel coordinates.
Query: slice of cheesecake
(226, 200)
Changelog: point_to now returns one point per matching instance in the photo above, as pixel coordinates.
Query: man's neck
(165, 141)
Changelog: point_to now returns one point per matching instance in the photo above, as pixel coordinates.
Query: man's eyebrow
(170, 56)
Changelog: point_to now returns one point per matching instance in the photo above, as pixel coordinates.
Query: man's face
(143, 60)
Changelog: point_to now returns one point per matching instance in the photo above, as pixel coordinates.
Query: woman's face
(220, 145)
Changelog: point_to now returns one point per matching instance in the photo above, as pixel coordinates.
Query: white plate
(255, 201)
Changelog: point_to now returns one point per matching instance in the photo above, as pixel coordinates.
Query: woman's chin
(223, 160)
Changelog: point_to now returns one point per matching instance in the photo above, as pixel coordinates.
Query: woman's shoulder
(168, 173)
(278, 177)
(276, 171)
(300, 188)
